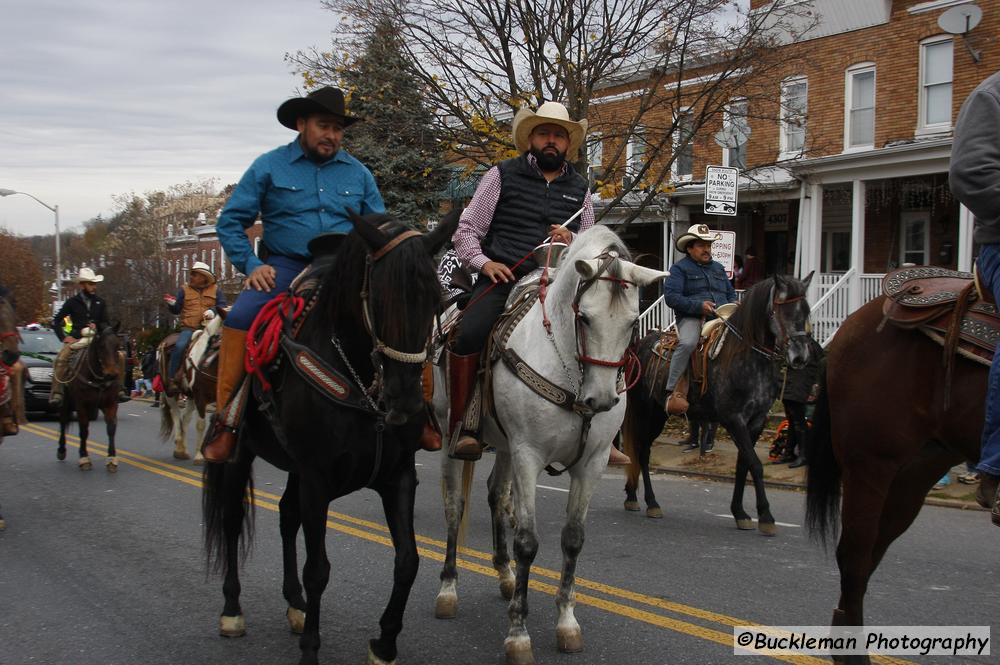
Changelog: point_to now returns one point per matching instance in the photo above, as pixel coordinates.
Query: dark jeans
(179, 347)
(989, 460)
(479, 316)
(796, 414)
(250, 302)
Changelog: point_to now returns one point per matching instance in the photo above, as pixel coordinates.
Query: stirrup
(676, 404)
(464, 446)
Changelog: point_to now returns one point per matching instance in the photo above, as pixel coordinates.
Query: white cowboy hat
(695, 232)
(87, 275)
(202, 267)
(552, 113)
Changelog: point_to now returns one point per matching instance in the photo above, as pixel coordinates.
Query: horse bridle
(786, 336)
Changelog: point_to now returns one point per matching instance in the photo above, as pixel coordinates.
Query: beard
(548, 161)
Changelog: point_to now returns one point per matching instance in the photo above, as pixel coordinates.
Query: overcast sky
(106, 97)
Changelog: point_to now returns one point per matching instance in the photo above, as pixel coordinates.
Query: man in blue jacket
(695, 287)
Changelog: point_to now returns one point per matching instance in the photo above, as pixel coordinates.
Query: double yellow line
(472, 560)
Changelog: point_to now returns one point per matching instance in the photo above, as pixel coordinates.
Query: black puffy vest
(528, 205)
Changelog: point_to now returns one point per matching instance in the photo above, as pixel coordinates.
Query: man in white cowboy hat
(78, 317)
(517, 205)
(193, 302)
(696, 287)
(299, 190)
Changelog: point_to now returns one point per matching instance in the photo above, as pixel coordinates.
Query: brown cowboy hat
(324, 100)
(549, 113)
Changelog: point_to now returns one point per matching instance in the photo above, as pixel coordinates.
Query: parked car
(38, 347)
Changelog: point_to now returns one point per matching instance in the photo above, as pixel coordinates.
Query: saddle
(946, 306)
(663, 350)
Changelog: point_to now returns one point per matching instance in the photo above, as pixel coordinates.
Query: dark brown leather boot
(462, 372)
(221, 441)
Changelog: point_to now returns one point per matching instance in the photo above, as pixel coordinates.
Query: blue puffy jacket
(690, 284)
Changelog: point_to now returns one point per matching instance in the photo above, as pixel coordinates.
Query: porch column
(965, 222)
(854, 299)
(812, 242)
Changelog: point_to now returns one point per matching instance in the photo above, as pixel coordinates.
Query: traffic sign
(724, 250)
(721, 184)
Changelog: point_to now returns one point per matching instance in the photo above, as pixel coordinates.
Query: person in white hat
(517, 205)
(194, 300)
(85, 311)
(697, 285)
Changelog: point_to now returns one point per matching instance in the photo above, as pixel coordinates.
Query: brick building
(845, 168)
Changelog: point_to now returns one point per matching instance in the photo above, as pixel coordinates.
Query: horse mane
(588, 245)
(339, 304)
(751, 318)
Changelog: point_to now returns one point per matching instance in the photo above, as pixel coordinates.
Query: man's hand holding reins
(560, 234)
(497, 272)
(262, 278)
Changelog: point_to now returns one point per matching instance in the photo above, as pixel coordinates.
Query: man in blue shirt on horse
(697, 285)
(299, 190)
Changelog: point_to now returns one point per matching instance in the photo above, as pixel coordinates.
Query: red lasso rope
(268, 326)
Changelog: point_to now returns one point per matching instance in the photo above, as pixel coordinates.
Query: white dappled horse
(176, 411)
(593, 306)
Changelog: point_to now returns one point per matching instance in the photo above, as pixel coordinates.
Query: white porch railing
(656, 316)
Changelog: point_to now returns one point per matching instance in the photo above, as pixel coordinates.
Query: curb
(798, 487)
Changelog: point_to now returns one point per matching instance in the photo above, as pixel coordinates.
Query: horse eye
(584, 319)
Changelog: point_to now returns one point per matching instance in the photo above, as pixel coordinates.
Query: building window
(794, 103)
(635, 156)
(595, 158)
(936, 57)
(683, 165)
(213, 262)
(860, 106)
(736, 127)
(913, 245)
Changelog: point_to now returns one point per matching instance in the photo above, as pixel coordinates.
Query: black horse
(93, 381)
(371, 322)
(766, 331)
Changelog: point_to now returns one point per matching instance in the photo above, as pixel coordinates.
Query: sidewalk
(720, 464)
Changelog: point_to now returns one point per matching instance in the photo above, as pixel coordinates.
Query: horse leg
(316, 572)
(453, 472)
(63, 423)
(83, 421)
(111, 423)
(743, 520)
(181, 418)
(653, 509)
(397, 502)
(199, 426)
(498, 488)
(289, 521)
(748, 460)
(517, 645)
(232, 622)
(568, 634)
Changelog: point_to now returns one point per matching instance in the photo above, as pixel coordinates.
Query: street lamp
(55, 209)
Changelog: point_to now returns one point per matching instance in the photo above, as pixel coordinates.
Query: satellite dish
(960, 20)
(732, 136)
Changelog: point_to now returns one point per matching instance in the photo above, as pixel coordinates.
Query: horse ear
(372, 237)
(442, 233)
(808, 278)
(643, 276)
(587, 267)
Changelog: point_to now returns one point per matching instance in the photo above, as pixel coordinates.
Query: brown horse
(882, 428)
(11, 392)
(93, 382)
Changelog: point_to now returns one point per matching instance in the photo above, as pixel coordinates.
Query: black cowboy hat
(325, 100)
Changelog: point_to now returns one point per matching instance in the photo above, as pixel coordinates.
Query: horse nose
(597, 406)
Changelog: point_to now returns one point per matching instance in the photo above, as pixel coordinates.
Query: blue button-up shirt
(297, 200)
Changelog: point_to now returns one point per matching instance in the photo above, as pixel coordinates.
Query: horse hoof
(111, 464)
(446, 606)
(3, 524)
(570, 640)
(232, 626)
(375, 660)
(767, 528)
(181, 454)
(199, 459)
(85, 464)
(655, 512)
(61, 454)
(518, 651)
(744, 524)
(632, 506)
(296, 620)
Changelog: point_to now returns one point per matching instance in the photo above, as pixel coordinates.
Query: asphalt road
(107, 569)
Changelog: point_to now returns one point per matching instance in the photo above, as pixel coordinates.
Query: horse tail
(226, 487)
(823, 482)
(166, 418)
(629, 429)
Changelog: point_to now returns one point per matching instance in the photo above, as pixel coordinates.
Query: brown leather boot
(677, 402)
(461, 381)
(221, 441)
(618, 458)
(430, 436)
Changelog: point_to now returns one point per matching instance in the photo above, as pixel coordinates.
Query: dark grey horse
(765, 334)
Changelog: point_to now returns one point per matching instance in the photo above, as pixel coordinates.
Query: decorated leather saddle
(946, 306)
(663, 351)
